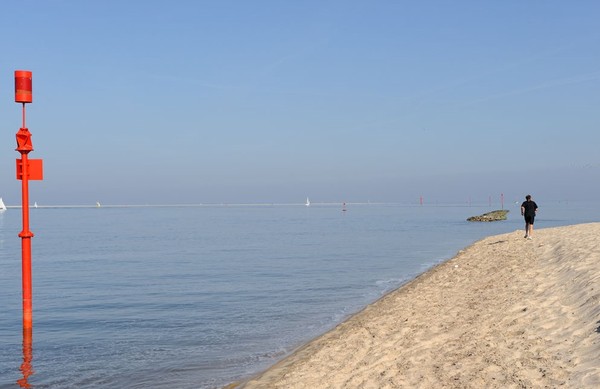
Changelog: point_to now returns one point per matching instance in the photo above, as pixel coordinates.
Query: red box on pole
(35, 169)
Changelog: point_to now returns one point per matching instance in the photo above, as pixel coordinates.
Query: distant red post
(27, 169)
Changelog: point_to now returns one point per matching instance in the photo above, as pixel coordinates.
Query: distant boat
(98, 204)
(35, 205)
(2, 206)
(307, 202)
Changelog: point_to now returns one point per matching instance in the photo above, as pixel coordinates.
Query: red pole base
(27, 286)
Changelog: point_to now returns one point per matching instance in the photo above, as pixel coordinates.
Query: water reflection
(26, 367)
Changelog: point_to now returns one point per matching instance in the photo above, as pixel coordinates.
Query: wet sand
(506, 312)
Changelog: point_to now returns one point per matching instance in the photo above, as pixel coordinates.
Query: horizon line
(262, 204)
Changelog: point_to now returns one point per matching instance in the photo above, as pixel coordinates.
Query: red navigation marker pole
(27, 169)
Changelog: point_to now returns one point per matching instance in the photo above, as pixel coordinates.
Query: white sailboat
(35, 204)
(2, 206)
(307, 202)
(98, 204)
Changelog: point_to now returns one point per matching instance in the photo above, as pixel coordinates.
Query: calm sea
(198, 297)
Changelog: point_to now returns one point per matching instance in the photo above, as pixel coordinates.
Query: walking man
(528, 210)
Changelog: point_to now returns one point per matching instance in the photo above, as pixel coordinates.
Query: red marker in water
(27, 169)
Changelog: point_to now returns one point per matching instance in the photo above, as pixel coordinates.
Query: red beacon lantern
(23, 86)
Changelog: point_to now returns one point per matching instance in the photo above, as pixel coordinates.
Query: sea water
(198, 297)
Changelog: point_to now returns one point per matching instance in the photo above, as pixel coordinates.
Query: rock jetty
(489, 217)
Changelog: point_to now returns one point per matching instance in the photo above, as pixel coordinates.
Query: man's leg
(530, 233)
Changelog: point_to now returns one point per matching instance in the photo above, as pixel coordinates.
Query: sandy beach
(505, 312)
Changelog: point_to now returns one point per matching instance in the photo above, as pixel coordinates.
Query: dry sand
(504, 313)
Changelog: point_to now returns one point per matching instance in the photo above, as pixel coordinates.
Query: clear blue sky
(151, 102)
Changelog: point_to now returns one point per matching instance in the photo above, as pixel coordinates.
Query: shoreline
(503, 312)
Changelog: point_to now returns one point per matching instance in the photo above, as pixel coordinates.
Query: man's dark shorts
(529, 219)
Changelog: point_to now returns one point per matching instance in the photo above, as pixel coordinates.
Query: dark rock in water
(489, 217)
